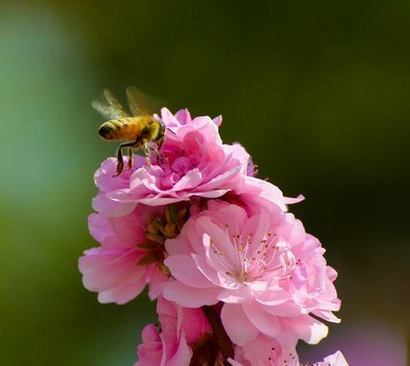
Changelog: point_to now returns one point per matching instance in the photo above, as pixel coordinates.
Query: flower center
(256, 259)
(171, 166)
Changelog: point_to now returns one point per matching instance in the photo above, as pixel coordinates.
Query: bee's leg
(120, 161)
(158, 157)
(130, 158)
(146, 149)
(147, 153)
(157, 150)
(159, 144)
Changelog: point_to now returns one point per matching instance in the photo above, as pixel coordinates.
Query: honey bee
(136, 130)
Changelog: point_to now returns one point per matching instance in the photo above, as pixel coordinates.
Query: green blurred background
(317, 91)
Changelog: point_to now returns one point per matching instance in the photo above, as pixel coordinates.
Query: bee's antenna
(163, 128)
(170, 130)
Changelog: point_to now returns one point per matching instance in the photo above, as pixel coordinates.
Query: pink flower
(115, 269)
(173, 345)
(267, 271)
(236, 276)
(193, 162)
(264, 351)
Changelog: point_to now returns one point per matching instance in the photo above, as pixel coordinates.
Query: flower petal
(190, 297)
(237, 324)
(189, 180)
(305, 327)
(184, 269)
(266, 323)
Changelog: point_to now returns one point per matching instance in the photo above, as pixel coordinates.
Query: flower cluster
(236, 277)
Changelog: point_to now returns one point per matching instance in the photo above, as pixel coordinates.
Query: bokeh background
(317, 91)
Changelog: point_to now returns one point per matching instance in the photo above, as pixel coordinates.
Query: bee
(136, 130)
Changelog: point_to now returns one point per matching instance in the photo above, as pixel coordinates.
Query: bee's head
(105, 131)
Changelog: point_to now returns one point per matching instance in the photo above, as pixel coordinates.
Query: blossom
(193, 162)
(172, 345)
(236, 277)
(269, 273)
(129, 257)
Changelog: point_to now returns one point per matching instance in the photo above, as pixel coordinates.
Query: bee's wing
(112, 108)
(140, 103)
